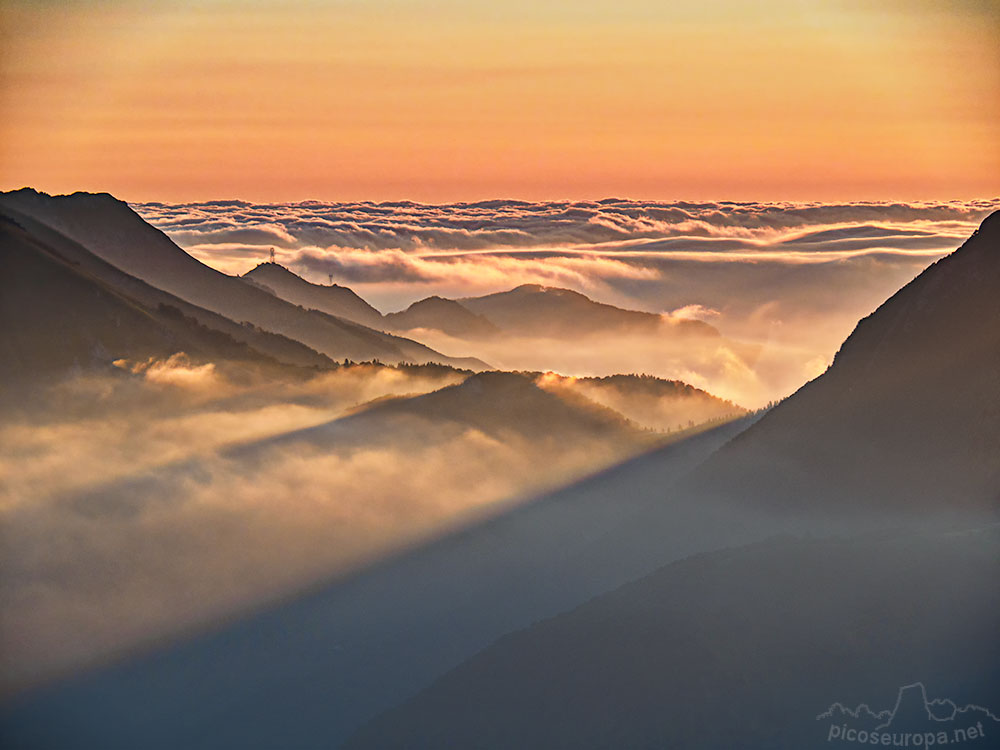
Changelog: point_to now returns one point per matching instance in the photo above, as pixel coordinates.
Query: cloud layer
(788, 280)
(398, 252)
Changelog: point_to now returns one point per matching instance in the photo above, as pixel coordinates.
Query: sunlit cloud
(592, 246)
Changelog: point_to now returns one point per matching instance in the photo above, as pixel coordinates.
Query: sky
(441, 100)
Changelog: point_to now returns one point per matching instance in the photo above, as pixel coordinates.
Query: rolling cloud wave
(577, 243)
(512, 224)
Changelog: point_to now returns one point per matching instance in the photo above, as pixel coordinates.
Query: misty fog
(170, 492)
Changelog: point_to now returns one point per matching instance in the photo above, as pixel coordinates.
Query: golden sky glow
(437, 100)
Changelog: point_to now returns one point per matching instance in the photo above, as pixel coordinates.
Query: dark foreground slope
(307, 673)
(908, 415)
(111, 230)
(743, 648)
(737, 648)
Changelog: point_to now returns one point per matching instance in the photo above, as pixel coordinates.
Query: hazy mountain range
(331, 319)
(528, 309)
(119, 394)
(111, 230)
(717, 591)
(93, 312)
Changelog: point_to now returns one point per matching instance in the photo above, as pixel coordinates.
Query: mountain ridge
(446, 315)
(96, 322)
(113, 231)
(275, 345)
(917, 415)
(534, 309)
(340, 301)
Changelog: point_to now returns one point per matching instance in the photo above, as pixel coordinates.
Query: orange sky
(440, 100)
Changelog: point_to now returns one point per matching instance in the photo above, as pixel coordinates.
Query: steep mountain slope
(907, 415)
(445, 315)
(334, 299)
(737, 648)
(549, 311)
(27, 230)
(433, 312)
(58, 316)
(111, 230)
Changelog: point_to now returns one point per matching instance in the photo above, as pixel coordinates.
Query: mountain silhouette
(445, 315)
(28, 233)
(500, 403)
(530, 310)
(503, 405)
(333, 299)
(61, 313)
(111, 230)
(435, 312)
(908, 414)
(535, 310)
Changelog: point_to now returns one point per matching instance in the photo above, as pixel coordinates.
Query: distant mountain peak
(534, 309)
(446, 315)
(333, 299)
(556, 291)
(271, 268)
(434, 299)
(29, 192)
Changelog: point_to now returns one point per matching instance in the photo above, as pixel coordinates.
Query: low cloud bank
(581, 244)
(414, 227)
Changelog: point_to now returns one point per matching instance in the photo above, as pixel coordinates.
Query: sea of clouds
(784, 281)
(584, 244)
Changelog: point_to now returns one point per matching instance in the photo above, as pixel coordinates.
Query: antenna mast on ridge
(272, 255)
(330, 276)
